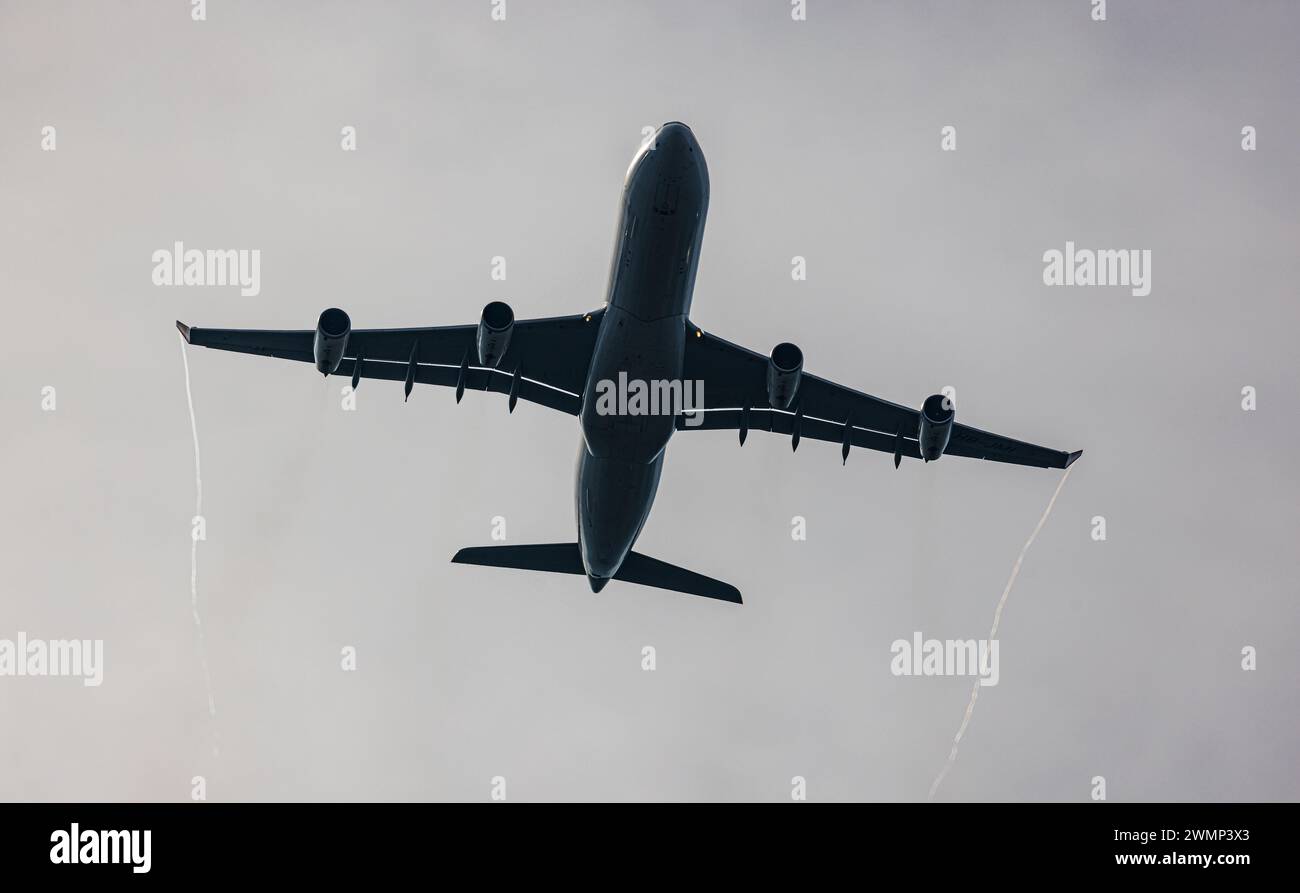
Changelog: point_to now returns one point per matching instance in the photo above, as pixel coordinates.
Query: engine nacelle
(784, 370)
(494, 328)
(937, 414)
(332, 333)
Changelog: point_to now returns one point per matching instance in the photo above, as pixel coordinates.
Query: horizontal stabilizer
(638, 568)
(557, 558)
(564, 558)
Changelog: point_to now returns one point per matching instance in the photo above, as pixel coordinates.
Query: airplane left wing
(545, 362)
(736, 398)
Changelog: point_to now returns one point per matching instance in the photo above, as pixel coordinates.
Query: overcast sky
(328, 529)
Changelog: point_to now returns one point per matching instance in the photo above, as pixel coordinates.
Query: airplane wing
(550, 356)
(736, 398)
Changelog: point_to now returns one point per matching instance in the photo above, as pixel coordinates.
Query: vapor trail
(993, 634)
(194, 552)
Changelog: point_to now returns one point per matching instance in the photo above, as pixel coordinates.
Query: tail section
(564, 558)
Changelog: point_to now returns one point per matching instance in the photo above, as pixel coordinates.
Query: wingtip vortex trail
(993, 634)
(194, 547)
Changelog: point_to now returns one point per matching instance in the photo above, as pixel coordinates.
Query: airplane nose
(674, 151)
(597, 583)
(675, 135)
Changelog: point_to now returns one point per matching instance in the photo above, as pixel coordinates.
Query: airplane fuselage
(643, 336)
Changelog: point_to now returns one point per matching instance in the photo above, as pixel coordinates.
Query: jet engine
(494, 329)
(332, 333)
(784, 370)
(937, 414)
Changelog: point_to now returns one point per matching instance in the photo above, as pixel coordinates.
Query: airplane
(642, 334)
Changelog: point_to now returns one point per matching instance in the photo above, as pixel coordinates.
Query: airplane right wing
(545, 362)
